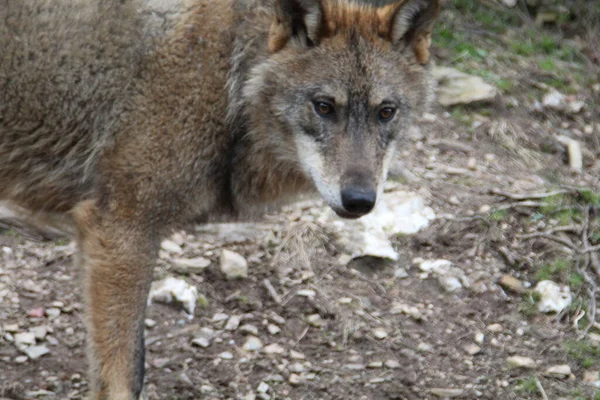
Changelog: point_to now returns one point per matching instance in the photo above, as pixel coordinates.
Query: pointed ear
(410, 23)
(297, 20)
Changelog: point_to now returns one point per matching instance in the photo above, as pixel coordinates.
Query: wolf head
(338, 90)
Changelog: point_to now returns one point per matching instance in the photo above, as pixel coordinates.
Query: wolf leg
(117, 256)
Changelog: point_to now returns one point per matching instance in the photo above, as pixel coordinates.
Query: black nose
(358, 200)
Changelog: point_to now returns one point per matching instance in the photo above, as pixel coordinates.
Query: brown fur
(133, 119)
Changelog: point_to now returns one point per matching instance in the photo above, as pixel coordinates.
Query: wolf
(130, 117)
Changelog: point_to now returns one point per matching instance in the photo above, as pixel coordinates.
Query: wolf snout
(357, 200)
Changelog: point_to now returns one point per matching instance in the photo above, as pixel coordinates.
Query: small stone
(201, 342)
(392, 364)
(36, 312)
(160, 362)
(274, 349)
(345, 300)
(552, 297)
(296, 367)
(511, 283)
(484, 209)
(190, 265)
(177, 290)
(306, 293)
(375, 364)
(294, 379)
(21, 359)
(76, 377)
(150, 323)
(559, 371)
(220, 317)
(355, 367)
(233, 323)
(479, 337)
(424, 347)
(296, 355)
(273, 329)
(39, 332)
(520, 362)
(472, 349)
(249, 329)
(52, 312)
(183, 378)
(233, 265)
(495, 328)
(253, 344)
(171, 247)
(12, 328)
(24, 339)
(35, 352)
(263, 387)
(315, 320)
(379, 333)
(449, 283)
(441, 392)
(226, 355)
(400, 273)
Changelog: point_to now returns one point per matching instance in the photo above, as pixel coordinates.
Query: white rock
(21, 359)
(24, 339)
(250, 329)
(495, 328)
(450, 277)
(233, 264)
(226, 355)
(273, 329)
(555, 100)
(435, 266)
(253, 344)
(559, 371)
(201, 342)
(173, 289)
(294, 379)
(263, 387)
(455, 87)
(472, 349)
(552, 297)
(397, 212)
(315, 320)
(375, 364)
(232, 323)
(273, 349)
(306, 293)
(447, 393)
(520, 362)
(296, 355)
(392, 364)
(379, 333)
(39, 332)
(509, 3)
(35, 352)
(190, 265)
(171, 247)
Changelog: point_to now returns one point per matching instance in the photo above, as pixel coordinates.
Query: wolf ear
(298, 20)
(410, 23)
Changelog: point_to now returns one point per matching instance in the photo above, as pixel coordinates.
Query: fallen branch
(527, 196)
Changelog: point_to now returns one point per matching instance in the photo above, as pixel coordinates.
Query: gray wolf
(130, 117)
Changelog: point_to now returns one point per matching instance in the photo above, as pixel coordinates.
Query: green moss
(527, 386)
(584, 352)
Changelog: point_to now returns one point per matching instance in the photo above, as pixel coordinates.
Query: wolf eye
(385, 114)
(324, 109)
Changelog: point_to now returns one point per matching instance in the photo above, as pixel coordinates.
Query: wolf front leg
(117, 256)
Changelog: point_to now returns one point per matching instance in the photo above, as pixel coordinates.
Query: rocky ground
(281, 310)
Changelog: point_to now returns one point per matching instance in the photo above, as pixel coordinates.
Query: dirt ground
(507, 204)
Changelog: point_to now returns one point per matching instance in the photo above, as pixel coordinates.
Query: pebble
(12, 328)
(190, 265)
(24, 339)
(35, 352)
(424, 347)
(472, 349)
(39, 332)
(375, 364)
(253, 344)
(479, 337)
(201, 342)
(233, 323)
(263, 387)
(379, 333)
(591, 377)
(274, 349)
(171, 247)
(441, 392)
(220, 317)
(160, 362)
(52, 312)
(552, 297)
(294, 379)
(273, 329)
(233, 264)
(355, 367)
(306, 293)
(21, 359)
(495, 328)
(36, 312)
(226, 355)
(511, 283)
(296, 355)
(249, 329)
(392, 364)
(315, 320)
(150, 323)
(173, 289)
(558, 371)
(520, 362)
